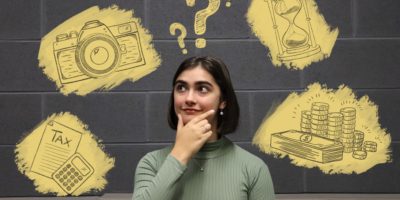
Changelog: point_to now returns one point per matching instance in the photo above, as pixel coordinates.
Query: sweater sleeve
(154, 184)
(262, 186)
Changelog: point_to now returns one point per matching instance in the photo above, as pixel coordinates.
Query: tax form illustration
(57, 145)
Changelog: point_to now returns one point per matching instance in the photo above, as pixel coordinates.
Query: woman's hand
(191, 136)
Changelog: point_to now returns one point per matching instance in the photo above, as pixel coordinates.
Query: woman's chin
(187, 118)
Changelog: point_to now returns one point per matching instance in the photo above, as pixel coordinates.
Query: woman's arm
(262, 186)
(153, 184)
(163, 183)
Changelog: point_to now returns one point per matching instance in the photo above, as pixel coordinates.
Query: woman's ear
(222, 105)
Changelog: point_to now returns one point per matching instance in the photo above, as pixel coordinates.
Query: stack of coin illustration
(360, 155)
(306, 121)
(348, 128)
(335, 121)
(370, 146)
(319, 118)
(358, 140)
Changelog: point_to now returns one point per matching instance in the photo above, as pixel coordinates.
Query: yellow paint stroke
(62, 142)
(326, 128)
(293, 41)
(97, 50)
(200, 19)
(181, 37)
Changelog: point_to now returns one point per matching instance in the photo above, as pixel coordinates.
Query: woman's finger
(180, 122)
(202, 123)
(205, 136)
(201, 117)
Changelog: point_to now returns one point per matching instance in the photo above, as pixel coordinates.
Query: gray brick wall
(365, 58)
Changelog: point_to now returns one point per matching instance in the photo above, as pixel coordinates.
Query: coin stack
(348, 128)
(360, 155)
(335, 121)
(319, 118)
(370, 146)
(306, 121)
(358, 140)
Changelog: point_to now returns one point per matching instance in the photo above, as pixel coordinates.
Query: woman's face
(196, 92)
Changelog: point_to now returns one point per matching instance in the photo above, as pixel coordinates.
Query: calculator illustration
(73, 173)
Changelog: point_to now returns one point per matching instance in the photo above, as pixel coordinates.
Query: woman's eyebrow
(180, 82)
(203, 83)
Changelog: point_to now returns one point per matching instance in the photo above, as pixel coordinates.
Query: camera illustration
(97, 50)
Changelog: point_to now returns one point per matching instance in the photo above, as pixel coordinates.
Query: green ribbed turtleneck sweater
(220, 170)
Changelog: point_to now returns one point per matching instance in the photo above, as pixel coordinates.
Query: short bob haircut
(226, 123)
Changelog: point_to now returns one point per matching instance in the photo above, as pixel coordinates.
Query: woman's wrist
(181, 156)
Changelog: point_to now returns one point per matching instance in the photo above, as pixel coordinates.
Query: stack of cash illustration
(306, 121)
(307, 146)
(348, 128)
(319, 118)
(321, 127)
(335, 121)
(358, 140)
(370, 146)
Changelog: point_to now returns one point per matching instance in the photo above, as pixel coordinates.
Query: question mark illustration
(178, 26)
(228, 3)
(191, 3)
(201, 18)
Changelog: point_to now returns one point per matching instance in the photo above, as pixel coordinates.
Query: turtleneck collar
(214, 149)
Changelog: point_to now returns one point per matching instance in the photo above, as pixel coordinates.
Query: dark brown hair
(226, 123)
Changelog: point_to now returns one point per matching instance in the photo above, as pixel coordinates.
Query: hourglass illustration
(297, 42)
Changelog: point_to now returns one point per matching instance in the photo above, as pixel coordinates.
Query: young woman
(202, 163)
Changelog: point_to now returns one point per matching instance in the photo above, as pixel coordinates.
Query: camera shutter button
(61, 37)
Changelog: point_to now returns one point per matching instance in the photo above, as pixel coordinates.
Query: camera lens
(99, 55)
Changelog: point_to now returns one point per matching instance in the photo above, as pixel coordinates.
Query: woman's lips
(190, 111)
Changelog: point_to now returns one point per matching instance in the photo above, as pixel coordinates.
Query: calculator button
(65, 169)
(72, 176)
(69, 165)
(68, 188)
(80, 177)
(68, 173)
(72, 170)
(76, 174)
(75, 180)
(69, 180)
(65, 176)
(65, 184)
(72, 184)
(61, 179)
(57, 176)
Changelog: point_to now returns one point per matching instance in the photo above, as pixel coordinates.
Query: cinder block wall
(131, 119)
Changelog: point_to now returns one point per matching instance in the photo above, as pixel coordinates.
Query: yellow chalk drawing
(326, 128)
(97, 50)
(293, 30)
(200, 21)
(63, 157)
(228, 3)
(178, 26)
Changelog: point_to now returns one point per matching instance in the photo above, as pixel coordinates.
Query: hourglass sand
(296, 42)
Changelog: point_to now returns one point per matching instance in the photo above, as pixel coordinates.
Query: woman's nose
(190, 98)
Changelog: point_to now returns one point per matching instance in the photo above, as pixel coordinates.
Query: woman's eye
(203, 89)
(180, 88)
